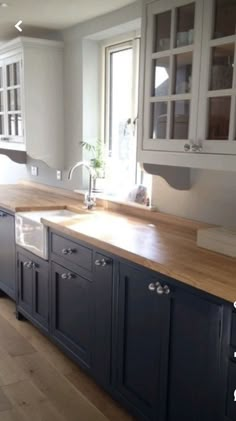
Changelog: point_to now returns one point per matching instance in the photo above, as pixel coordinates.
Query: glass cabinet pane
(1, 125)
(222, 67)
(14, 102)
(219, 116)
(185, 25)
(1, 102)
(183, 73)
(15, 124)
(13, 74)
(159, 120)
(1, 78)
(180, 119)
(163, 24)
(225, 21)
(161, 76)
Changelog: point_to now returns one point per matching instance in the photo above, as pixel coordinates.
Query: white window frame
(129, 40)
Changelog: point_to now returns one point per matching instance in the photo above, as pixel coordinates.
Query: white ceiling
(51, 14)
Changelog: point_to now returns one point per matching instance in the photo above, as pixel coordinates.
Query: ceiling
(51, 14)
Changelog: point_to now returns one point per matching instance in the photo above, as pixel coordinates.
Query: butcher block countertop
(156, 241)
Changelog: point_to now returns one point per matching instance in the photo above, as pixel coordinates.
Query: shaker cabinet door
(172, 66)
(217, 104)
(7, 254)
(142, 343)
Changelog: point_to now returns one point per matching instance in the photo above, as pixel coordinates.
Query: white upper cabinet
(31, 99)
(188, 83)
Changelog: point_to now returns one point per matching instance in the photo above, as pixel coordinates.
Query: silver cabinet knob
(66, 275)
(196, 148)
(160, 290)
(152, 287)
(67, 251)
(28, 265)
(102, 262)
(166, 290)
(187, 147)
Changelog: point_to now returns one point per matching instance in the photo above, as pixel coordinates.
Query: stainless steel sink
(32, 234)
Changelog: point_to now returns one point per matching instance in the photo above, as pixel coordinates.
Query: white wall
(212, 197)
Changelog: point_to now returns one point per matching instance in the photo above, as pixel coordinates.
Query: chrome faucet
(89, 200)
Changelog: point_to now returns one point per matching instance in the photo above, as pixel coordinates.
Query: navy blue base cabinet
(161, 348)
(7, 254)
(169, 349)
(33, 288)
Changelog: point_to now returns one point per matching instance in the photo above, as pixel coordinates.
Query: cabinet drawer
(231, 403)
(233, 330)
(72, 252)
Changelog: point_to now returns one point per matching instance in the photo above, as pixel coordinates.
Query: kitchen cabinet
(188, 101)
(33, 288)
(169, 341)
(82, 305)
(7, 254)
(31, 99)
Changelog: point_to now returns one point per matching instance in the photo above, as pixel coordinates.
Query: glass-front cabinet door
(11, 128)
(172, 67)
(217, 104)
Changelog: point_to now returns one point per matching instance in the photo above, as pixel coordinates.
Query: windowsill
(115, 199)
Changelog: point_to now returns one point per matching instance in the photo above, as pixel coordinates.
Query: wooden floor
(39, 383)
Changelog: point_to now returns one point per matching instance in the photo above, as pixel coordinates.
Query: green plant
(97, 160)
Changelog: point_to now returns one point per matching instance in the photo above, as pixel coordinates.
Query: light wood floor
(39, 383)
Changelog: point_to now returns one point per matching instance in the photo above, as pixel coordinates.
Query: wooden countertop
(160, 243)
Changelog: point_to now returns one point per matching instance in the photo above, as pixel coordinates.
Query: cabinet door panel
(41, 292)
(7, 254)
(194, 359)
(25, 285)
(172, 66)
(141, 342)
(72, 304)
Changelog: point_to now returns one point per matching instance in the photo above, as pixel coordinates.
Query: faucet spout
(89, 201)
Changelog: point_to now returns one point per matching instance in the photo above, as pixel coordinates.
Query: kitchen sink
(32, 234)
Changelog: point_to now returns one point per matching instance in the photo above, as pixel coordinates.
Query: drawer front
(71, 251)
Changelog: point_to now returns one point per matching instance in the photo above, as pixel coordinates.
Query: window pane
(180, 119)
(163, 23)
(122, 140)
(15, 125)
(219, 115)
(161, 76)
(185, 25)
(225, 18)
(183, 73)
(159, 120)
(222, 67)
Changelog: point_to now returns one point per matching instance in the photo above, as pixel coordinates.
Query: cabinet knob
(2, 214)
(160, 290)
(152, 287)
(67, 251)
(196, 148)
(187, 147)
(166, 290)
(66, 275)
(102, 262)
(28, 265)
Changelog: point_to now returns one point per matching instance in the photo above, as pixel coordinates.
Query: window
(120, 116)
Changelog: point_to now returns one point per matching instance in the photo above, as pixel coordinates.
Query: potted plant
(96, 162)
